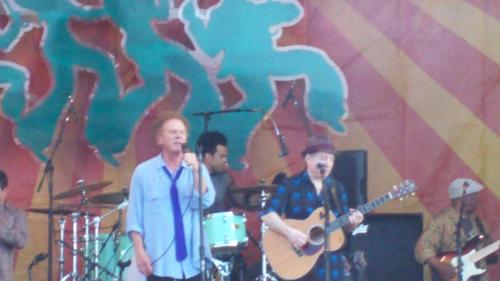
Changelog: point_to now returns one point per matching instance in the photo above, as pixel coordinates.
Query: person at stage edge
(298, 196)
(13, 231)
(163, 211)
(439, 237)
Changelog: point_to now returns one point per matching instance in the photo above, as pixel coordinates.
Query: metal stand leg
(265, 275)
(74, 274)
(86, 239)
(97, 222)
(62, 224)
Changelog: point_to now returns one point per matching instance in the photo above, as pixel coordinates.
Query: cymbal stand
(74, 218)
(265, 275)
(62, 224)
(86, 239)
(97, 222)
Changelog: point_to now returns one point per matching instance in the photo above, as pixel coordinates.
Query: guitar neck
(344, 219)
(484, 252)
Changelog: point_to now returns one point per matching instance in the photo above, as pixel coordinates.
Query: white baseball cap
(456, 188)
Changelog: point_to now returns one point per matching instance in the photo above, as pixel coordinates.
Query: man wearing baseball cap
(298, 196)
(440, 235)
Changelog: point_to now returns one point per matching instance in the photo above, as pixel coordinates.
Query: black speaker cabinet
(351, 169)
(387, 248)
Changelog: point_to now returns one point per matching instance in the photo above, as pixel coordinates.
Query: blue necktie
(180, 239)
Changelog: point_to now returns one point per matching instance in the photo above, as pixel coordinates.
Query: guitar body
(469, 265)
(290, 263)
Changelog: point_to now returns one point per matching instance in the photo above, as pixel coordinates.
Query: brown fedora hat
(317, 143)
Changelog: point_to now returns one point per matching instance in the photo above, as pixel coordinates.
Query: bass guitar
(291, 263)
(469, 259)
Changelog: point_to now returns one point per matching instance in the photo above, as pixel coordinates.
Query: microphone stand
(48, 172)
(458, 235)
(200, 205)
(326, 207)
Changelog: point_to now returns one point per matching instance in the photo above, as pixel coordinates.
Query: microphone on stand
(72, 110)
(283, 148)
(289, 95)
(186, 149)
(321, 167)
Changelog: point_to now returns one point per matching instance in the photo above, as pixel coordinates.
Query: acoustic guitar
(291, 263)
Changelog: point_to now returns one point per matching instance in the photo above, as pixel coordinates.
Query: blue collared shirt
(150, 214)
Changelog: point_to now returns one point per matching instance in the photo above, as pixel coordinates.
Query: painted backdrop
(416, 83)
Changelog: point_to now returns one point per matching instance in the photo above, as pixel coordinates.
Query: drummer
(214, 151)
(213, 145)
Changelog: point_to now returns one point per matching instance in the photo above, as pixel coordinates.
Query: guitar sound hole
(316, 235)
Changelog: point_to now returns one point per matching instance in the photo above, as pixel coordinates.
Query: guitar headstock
(405, 189)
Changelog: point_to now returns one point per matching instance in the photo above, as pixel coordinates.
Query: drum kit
(105, 256)
(110, 256)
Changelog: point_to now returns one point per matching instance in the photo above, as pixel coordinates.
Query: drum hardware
(223, 267)
(265, 275)
(62, 224)
(253, 194)
(97, 250)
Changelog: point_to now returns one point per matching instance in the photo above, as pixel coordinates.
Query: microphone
(321, 167)
(186, 149)
(281, 138)
(289, 95)
(283, 147)
(72, 109)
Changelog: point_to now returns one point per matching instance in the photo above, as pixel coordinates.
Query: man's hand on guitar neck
(355, 218)
(444, 270)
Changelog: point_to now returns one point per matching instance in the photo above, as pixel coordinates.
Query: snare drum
(119, 250)
(226, 232)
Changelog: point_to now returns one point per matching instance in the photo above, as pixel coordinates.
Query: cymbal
(55, 211)
(86, 206)
(249, 190)
(80, 188)
(109, 198)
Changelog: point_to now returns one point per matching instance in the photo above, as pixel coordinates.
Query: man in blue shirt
(301, 194)
(163, 212)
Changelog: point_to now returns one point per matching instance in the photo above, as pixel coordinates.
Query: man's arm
(276, 224)
(134, 224)
(426, 247)
(143, 260)
(17, 236)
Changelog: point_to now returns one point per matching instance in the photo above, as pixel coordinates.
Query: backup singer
(163, 214)
(13, 231)
(301, 194)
